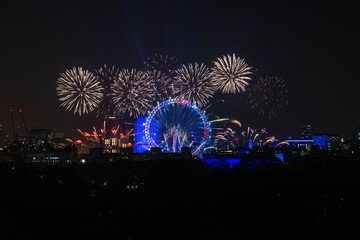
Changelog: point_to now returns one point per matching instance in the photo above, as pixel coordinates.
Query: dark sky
(313, 46)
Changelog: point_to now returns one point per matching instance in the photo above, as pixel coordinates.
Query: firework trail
(268, 96)
(106, 76)
(79, 91)
(268, 141)
(231, 74)
(236, 122)
(194, 82)
(132, 92)
(282, 143)
(219, 120)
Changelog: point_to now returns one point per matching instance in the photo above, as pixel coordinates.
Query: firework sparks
(268, 96)
(180, 123)
(132, 91)
(79, 91)
(162, 63)
(231, 74)
(106, 76)
(226, 139)
(162, 83)
(194, 82)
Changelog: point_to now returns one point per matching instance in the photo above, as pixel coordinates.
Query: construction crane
(26, 128)
(13, 126)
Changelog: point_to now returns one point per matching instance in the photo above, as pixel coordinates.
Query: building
(303, 144)
(118, 133)
(306, 132)
(326, 141)
(157, 154)
(40, 136)
(51, 157)
(355, 134)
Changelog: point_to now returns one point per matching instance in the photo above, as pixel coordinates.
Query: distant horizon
(20, 129)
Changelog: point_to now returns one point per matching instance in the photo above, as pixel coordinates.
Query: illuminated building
(326, 141)
(156, 153)
(306, 132)
(82, 148)
(40, 136)
(45, 158)
(118, 133)
(304, 144)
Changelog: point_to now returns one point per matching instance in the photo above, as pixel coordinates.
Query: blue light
(221, 163)
(280, 156)
(149, 121)
(250, 143)
(299, 140)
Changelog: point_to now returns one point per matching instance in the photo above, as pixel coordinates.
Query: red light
(129, 144)
(122, 136)
(86, 134)
(78, 141)
(95, 135)
(19, 110)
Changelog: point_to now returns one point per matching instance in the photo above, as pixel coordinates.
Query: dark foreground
(179, 201)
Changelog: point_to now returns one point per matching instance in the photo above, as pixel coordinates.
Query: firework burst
(132, 92)
(268, 96)
(231, 74)
(194, 82)
(106, 76)
(79, 91)
(162, 63)
(162, 83)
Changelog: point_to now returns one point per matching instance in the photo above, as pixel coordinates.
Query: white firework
(133, 92)
(194, 82)
(106, 76)
(231, 74)
(162, 83)
(79, 91)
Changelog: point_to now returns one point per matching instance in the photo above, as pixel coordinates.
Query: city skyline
(312, 47)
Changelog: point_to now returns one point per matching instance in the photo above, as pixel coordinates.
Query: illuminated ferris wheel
(177, 123)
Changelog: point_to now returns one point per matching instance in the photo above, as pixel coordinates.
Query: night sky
(314, 47)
